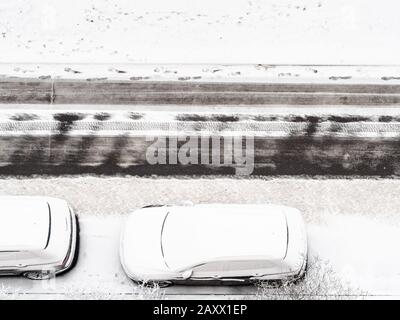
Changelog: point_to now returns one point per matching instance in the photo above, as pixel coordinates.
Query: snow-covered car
(214, 244)
(38, 236)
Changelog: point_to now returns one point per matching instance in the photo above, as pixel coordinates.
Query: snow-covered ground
(361, 250)
(206, 31)
(352, 225)
(195, 73)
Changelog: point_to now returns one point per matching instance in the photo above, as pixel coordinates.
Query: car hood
(141, 250)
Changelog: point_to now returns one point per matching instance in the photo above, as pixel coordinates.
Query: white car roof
(24, 223)
(205, 233)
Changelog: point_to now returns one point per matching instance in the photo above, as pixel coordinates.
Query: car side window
(208, 269)
(248, 265)
(7, 254)
(8, 258)
(232, 268)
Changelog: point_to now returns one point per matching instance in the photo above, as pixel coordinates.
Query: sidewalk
(207, 31)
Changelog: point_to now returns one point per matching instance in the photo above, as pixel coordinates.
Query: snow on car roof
(24, 223)
(194, 235)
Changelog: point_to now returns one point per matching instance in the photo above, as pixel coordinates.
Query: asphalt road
(352, 226)
(54, 91)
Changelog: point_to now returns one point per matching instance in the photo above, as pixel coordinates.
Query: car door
(8, 262)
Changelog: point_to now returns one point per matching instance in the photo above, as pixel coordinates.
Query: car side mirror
(187, 274)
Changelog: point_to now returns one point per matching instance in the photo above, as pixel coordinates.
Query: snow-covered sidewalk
(207, 31)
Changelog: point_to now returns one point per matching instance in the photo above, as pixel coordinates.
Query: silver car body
(38, 236)
(225, 243)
